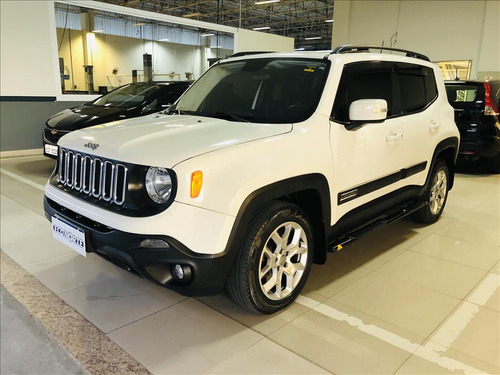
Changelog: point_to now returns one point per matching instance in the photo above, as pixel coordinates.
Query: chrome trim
(92, 176)
(104, 177)
(115, 184)
(97, 178)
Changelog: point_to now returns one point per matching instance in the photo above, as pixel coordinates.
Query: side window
(417, 85)
(364, 80)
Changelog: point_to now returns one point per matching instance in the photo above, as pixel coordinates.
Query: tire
(275, 260)
(436, 194)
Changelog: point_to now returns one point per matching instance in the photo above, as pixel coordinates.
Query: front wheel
(436, 195)
(273, 265)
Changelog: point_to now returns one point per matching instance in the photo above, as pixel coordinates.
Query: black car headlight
(159, 184)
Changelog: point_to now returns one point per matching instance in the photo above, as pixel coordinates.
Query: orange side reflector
(196, 183)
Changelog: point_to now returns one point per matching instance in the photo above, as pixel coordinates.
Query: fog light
(179, 272)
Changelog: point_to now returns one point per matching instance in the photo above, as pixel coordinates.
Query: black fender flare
(256, 201)
(451, 144)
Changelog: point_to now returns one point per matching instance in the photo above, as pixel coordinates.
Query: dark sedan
(132, 100)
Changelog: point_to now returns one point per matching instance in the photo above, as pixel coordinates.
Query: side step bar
(353, 236)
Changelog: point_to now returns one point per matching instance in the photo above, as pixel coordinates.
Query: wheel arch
(446, 150)
(310, 192)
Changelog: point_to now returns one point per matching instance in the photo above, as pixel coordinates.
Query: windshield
(128, 96)
(257, 90)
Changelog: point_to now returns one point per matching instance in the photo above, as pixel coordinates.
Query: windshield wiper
(231, 116)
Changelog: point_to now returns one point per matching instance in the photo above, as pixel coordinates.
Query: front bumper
(204, 274)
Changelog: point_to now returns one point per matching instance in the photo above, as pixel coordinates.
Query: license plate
(51, 150)
(69, 235)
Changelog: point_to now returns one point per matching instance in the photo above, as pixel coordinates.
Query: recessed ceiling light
(208, 34)
(266, 2)
(97, 31)
(262, 28)
(299, 49)
(164, 40)
(313, 38)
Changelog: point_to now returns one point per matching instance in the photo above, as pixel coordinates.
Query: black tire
(288, 267)
(436, 194)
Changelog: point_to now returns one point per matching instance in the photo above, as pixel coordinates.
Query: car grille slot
(106, 180)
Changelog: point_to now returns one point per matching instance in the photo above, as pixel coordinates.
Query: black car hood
(85, 115)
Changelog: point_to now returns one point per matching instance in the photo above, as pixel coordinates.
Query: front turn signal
(196, 183)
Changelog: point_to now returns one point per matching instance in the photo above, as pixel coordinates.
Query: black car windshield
(128, 96)
(267, 90)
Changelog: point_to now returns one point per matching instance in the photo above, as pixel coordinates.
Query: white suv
(266, 163)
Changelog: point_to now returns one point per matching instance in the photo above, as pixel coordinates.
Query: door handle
(393, 137)
(433, 125)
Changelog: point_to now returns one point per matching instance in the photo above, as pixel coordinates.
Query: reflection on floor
(406, 299)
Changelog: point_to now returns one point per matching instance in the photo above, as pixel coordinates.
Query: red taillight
(490, 107)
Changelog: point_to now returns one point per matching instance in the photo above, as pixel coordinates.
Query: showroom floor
(406, 299)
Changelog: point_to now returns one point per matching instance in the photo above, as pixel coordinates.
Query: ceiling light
(139, 24)
(163, 40)
(313, 38)
(299, 49)
(214, 47)
(190, 15)
(97, 31)
(266, 2)
(262, 28)
(329, 20)
(208, 34)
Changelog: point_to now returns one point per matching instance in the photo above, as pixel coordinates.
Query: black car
(476, 107)
(131, 100)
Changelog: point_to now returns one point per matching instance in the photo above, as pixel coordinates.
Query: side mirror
(366, 111)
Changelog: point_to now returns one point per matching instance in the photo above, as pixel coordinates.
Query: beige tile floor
(406, 299)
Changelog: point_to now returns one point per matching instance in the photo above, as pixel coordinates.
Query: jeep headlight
(159, 184)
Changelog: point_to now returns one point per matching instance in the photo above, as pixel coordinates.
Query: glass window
(463, 95)
(459, 69)
(258, 90)
(417, 85)
(364, 80)
(127, 96)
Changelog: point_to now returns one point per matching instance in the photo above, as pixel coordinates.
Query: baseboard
(18, 153)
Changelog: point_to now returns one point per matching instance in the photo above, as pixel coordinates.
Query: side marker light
(196, 183)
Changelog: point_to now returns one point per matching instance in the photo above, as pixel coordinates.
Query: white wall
(29, 66)
(248, 40)
(442, 29)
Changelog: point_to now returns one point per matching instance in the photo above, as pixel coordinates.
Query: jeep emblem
(91, 145)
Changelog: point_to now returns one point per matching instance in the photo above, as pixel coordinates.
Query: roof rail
(352, 48)
(238, 54)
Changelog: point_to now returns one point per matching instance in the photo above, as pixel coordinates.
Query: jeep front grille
(101, 179)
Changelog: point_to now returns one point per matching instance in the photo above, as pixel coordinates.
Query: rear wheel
(436, 195)
(275, 260)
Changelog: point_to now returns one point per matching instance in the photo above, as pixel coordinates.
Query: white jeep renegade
(266, 163)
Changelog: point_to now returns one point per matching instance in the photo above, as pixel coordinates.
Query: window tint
(364, 80)
(417, 85)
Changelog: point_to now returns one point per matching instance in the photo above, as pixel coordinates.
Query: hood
(84, 116)
(166, 140)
